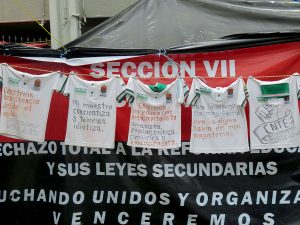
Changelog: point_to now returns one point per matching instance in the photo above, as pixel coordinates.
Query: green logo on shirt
(141, 96)
(80, 91)
(204, 90)
(13, 81)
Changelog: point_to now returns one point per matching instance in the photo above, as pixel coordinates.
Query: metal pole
(64, 21)
(55, 22)
(75, 28)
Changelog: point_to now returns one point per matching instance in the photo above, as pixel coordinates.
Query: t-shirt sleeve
(60, 83)
(183, 91)
(242, 94)
(1, 74)
(121, 89)
(130, 90)
(297, 76)
(67, 86)
(194, 93)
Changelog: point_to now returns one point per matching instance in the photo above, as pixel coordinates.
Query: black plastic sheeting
(156, 24)
(21, 50)
(211, 46)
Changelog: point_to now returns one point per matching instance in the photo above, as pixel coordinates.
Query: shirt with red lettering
(25, 102)
(92, 111)
(155, 120)
(218, 118)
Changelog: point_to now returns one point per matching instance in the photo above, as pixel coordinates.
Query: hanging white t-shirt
(218, 118)
(274, 113)
(155, 120)
(92, 111)
(25, 102)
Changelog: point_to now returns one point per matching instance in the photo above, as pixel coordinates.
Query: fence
(25, 39)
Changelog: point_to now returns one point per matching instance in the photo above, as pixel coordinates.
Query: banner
(51, 183)
(218, 69)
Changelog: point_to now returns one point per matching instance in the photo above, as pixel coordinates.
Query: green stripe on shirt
(275, 89)
(121, 96)
(195, 99)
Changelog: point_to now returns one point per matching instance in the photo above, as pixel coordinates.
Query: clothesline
(88, 75)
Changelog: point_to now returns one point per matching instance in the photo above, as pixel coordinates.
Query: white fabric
(218, 118)
(274, 122)
(92, 111)
(25, 102)
(155, 120)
